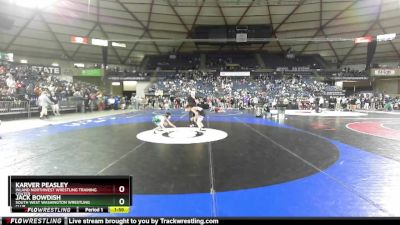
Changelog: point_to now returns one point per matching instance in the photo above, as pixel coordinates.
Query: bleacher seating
(178, 62)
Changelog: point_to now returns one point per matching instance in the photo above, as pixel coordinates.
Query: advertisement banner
(334, 93)
(385, 72)
(7, 56)
(128, 78)
(159, 93)
(349, 78)
(366, 39)
(99, 42)
(235, 74)
(386, 37)
(80, 40)
(92, 73)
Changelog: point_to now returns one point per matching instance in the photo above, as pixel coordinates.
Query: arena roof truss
(325, 27)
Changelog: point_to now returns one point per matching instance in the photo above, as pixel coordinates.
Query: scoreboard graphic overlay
(67, 194)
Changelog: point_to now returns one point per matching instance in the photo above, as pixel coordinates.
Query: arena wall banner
(385, 72)
(293, 69)
(159, 93)
(128, 78)
(334, 93)
(348, 78)
(235, 74)
(91, 73)
(55, 70)
(7, 56)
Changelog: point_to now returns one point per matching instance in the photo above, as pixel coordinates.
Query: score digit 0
(122, 200)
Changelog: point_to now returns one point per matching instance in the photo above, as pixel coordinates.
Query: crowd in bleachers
(362, 101)
(173, 62)
(294, 91)
(240, 92)
(345, 72)
(273, 61)
(226, 61)
(289, 85)
(231, 61)
(18, 83)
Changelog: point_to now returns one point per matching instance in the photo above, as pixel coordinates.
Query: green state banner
(92, 73)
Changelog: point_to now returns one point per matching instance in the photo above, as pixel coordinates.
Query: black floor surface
(251, 156)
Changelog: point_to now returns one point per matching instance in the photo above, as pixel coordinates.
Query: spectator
(55, 106)
(44, 102)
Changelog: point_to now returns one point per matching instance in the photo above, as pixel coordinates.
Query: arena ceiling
(160, 26)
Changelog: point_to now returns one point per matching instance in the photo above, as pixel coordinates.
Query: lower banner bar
(33, 220)
(63, 209)
(45, 209)
(139, 221)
